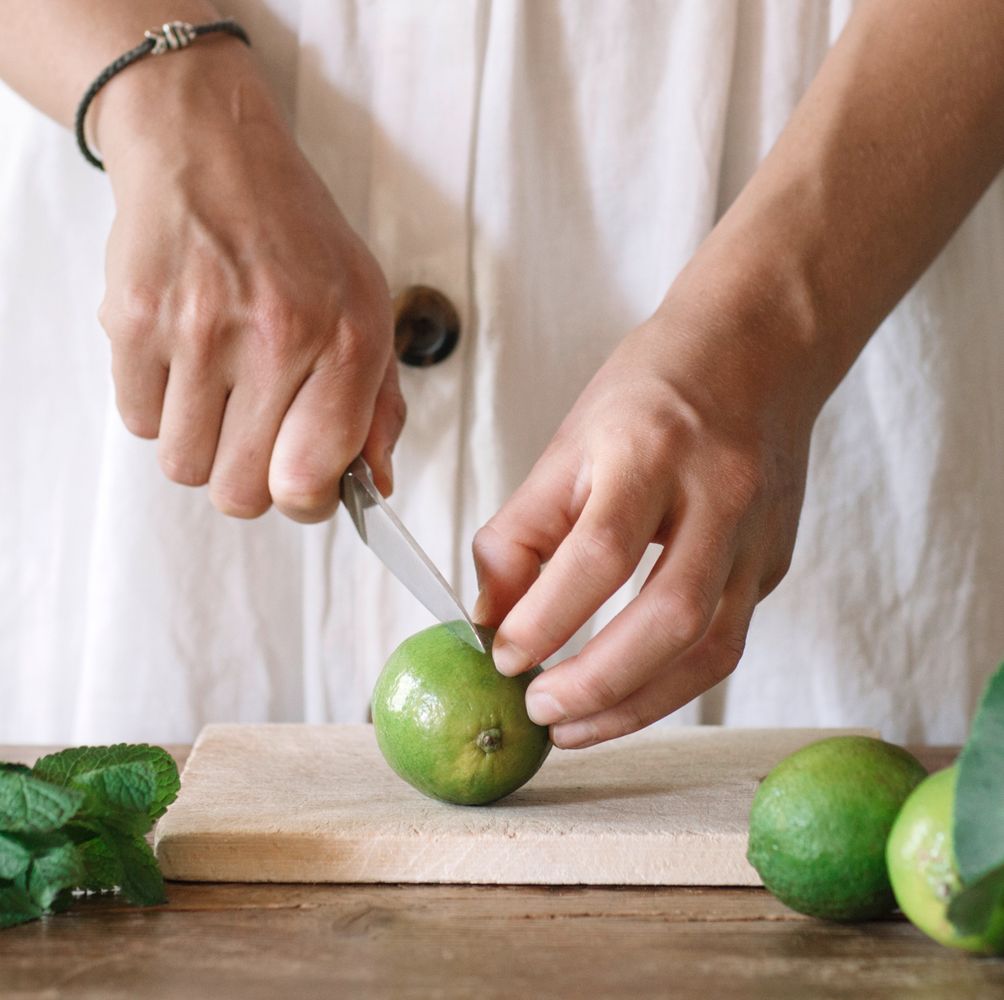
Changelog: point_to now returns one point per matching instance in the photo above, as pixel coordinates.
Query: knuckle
(485, 542)
(355, 346)
(725, 656)
(237, 501)
(776, 574)
(141, 425)
(648, 451)
(744, 483)
(305, 494)
(533, 629)
(630, 718)
(681, 617)
(130, 313)
(183, 469)
(717, 667)
(398, 409)
(198, 336)
(596, 692)
(603, 550)
(279, 329)
(307, 508)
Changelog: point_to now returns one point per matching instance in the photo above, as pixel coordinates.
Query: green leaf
(14, 768)
(972, 909)
(122, 794)
(57, 869)
(14, 857)
(978, 817)
(64, 767)
(141, 881)
(102, 869)
(979, 793)
(30, 805)
(16, 906)
(63, 901)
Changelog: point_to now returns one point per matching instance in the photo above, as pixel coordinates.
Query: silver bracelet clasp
(171, 36)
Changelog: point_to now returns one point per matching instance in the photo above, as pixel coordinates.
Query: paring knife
(381, 529)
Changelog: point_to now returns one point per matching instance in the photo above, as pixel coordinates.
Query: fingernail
(574, 735)
(509, 658)
(544, 708)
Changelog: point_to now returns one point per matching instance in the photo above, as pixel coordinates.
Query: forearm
(892, 145)
(50, 52)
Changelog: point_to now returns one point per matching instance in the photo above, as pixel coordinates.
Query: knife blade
(381, 529)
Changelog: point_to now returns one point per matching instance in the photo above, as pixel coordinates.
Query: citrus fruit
(819, 823)
(922, 866)
(450, 724)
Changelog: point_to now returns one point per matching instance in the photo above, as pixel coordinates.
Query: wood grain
(271, 941)
(299, 803)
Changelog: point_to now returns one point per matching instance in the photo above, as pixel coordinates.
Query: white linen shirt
(549, 165)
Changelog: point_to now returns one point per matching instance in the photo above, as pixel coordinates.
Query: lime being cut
(450, 724)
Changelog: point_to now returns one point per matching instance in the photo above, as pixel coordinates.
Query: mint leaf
(68, 766)
(972, 909)
(63, 901)
(141, 881)
(121, 791)
(57, 869)
(978, 817)
(979, 792)
(78, 820)
(14, 857)
(29, 805)
(16, 906)
(102, 869)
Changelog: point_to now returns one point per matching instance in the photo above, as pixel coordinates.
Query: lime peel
(450, 724)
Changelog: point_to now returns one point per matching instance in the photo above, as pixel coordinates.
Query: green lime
(819, 823)
(922, 866)
(450, 724)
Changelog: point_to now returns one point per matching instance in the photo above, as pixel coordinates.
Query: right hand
(250, 327)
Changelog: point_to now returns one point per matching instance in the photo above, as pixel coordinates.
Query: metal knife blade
(381, 529)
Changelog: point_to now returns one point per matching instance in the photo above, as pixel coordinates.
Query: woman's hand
(250, 327)
(684, 438)
(695, 433)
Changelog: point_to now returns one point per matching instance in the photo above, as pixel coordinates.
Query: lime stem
(489, 740)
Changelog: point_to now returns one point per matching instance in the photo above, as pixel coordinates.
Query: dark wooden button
(426, 326)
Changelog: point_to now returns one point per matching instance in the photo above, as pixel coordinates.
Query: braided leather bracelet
(168, 38)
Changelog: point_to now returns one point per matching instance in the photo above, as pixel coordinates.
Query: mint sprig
(78, 819)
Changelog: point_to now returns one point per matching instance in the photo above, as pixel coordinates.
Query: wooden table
(302, 941)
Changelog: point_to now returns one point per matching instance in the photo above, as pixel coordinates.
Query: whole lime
(922, 867)
(819, 823)
(450, 724)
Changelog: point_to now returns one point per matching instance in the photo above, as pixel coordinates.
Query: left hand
(693, 435)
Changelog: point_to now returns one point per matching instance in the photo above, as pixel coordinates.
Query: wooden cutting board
(303, 803)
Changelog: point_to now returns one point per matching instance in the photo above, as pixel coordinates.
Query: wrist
(756, 281)
(748, 323)
(165, 104)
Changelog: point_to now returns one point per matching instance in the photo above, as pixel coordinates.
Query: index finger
(511, 547)
(590, 564)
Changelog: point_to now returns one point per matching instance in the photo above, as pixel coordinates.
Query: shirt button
(426, 326)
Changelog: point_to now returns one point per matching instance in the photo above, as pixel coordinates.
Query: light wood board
(305, 803)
